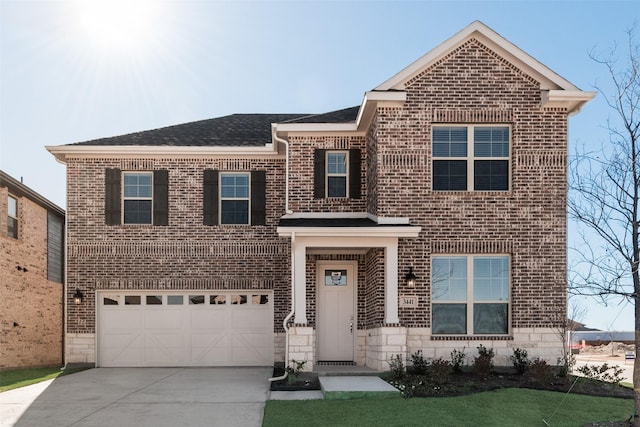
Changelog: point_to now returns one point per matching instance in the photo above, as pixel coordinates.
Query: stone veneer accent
(302, 341)
(81, 348)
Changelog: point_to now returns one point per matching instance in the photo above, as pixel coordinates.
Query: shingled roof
(235, 130)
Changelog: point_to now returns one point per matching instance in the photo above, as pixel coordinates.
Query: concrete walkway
(342, 387)
(142, 397)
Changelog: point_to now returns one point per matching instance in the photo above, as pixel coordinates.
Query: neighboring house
(430, 217)
(31, 283)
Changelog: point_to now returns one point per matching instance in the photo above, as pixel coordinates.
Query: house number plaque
(409, 301)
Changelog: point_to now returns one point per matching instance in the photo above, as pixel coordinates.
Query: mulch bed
(306, 381)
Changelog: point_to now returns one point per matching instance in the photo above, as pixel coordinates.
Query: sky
(74, 71)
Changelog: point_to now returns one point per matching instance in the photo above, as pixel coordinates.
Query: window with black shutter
(337, 174)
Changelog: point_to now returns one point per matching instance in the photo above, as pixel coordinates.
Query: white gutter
(291, 313)
(276, 138)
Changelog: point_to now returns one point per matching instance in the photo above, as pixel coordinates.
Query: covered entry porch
(345, 275)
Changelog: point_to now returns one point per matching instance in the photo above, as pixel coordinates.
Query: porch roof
(354, 227)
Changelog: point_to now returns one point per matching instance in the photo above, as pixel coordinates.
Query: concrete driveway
(142, 397)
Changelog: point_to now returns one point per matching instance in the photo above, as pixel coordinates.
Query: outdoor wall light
(410, 278)
(78, 297)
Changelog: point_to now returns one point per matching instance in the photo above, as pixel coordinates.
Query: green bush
(458, 360)
(540, 372)
(419, 363)
(396, 366)
(601, 373)
(520, 360)
(483, 363)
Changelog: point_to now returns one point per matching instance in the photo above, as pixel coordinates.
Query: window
(234, 198)
(470, 157)
(136, 197)
(12, 217)
(337, 174)
(470, 295)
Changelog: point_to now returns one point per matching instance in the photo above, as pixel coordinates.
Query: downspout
(288, 317)
(293, 256)
(286, 171)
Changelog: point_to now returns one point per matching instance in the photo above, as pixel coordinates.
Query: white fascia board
(316, 127)
(352, 232)
(572, 100)
(547, 78)
(61, 152)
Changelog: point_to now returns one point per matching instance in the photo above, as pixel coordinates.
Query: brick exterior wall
(183, 255)
(31, 311)
(471, 85)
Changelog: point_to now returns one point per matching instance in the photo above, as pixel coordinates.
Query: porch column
(300, 283)
(391, 283)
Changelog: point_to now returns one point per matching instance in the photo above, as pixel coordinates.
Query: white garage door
(189, 328)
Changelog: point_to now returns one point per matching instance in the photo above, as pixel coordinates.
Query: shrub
(441, 371)
(419, 363)
(540, 372)
(565, 365)
(483, 363)
(294, 370)
(601, 373)
(396, 366)
(457, 360)
(520, 360)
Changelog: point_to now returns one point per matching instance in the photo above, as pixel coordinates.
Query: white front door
(336, 323)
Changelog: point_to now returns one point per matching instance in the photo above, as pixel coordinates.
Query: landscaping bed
(304, 381)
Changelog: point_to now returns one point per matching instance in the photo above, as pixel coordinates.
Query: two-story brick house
(31, 277)
(432, 216)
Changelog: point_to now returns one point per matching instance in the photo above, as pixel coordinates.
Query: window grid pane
(137, 197)
(449, 175)
(470, 294)
(491, 175)
(234, 198)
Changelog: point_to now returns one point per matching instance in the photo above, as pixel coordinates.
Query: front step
(347, 370)
(355, 387)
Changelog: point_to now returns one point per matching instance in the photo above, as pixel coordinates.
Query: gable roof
(477, 30)
(17, 188)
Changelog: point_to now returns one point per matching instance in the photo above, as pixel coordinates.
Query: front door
(336, 323)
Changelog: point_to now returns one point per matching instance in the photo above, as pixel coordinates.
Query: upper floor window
(137, 200)
(136, 197)
(470, 294)
(12, 217)
(337, 173)
(234, 197)
(474, 157)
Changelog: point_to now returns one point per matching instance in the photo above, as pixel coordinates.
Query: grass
(512, 407)
(16, 378)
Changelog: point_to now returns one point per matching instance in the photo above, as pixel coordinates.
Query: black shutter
(210, 197)
(112, 197)
(161, 197)
(258, 197)
(354, 173)
(319, 173)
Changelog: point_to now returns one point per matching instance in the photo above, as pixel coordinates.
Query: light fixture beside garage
(410, 278)
(78, 297)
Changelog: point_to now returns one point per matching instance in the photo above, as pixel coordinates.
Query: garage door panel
(168, 332)
(209, 349)
(163, 319)
(215, 318)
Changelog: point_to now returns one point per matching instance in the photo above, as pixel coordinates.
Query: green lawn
(15, 378)
(505, 407)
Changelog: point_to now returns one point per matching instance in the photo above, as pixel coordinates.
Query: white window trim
(17, 214)
(470, 300)
(345, 174)
(248, 198)
(470, 157)
(122, 209)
